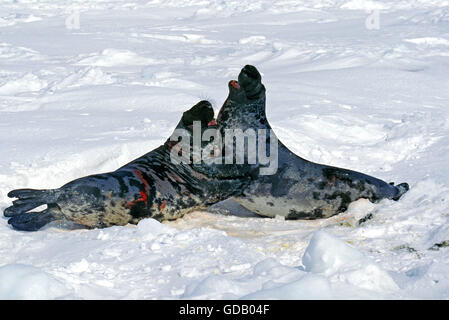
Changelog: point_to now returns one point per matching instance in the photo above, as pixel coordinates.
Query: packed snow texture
(27, 282)
(87, 86)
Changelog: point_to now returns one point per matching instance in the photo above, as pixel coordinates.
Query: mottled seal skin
(300, 189)
(150, 186)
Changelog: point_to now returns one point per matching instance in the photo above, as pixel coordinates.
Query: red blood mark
(143, 199)
(235, 84)
(144, 195)
(130, 204)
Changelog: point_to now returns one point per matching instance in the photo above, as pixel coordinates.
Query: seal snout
(251, 72)
(234, 84)
(401, 189)
(251, 81)
(202, 111)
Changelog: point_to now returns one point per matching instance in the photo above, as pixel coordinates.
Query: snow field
(75, 102)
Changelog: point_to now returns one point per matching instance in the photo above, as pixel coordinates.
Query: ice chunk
(152, 227)
(333, 258)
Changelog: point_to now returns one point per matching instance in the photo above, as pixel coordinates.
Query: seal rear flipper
(29, 199)
(21, 206)
(402, 188)
(33, 221)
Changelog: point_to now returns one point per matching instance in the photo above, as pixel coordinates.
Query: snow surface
(75, 102)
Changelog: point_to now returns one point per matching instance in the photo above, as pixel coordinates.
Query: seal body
(151, 186)
(299, 189)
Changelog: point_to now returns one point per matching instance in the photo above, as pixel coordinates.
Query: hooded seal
(299, 189)
(151, 186)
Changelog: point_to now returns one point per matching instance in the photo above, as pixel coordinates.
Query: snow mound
(13, 53)
(215, 286)
(24, 282)
(151, 228)
(93, 76)
(333, 258)
(429, 41)
(434, 16)
(15, 18)
(85, 76)
(116, 57)
(269, 280)
(363, 5)
(309, 287)
(28, 82)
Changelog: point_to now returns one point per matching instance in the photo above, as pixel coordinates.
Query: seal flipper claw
(21, 206)
(25, 193)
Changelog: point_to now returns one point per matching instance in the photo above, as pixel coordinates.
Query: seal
(151, 186)
(299, 189)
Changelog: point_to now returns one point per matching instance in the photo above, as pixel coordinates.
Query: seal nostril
(235, 84)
